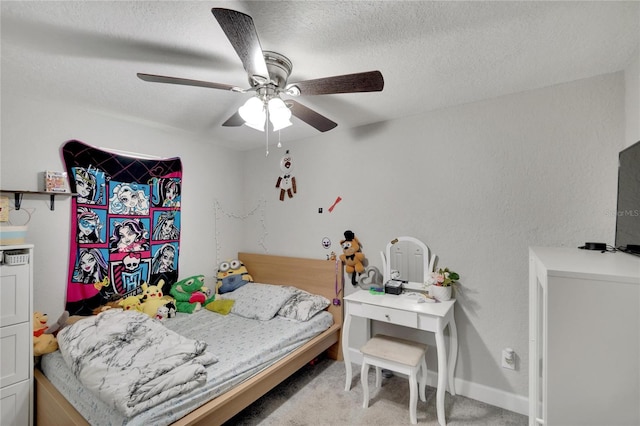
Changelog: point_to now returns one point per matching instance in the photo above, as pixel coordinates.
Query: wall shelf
(52, 195)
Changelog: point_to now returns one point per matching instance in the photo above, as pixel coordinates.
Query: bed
(320, 277)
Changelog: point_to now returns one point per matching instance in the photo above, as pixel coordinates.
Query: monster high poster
(125, 225)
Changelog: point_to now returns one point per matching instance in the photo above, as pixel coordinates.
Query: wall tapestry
(125, 225)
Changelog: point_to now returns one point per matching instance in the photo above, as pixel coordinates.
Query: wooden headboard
(313, 275)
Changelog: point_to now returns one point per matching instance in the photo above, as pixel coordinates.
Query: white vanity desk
(406, 311)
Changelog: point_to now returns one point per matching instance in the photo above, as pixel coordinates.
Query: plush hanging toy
(286, 182)
(352, 256)
(42, 343)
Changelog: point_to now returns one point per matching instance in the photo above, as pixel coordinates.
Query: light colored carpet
(315, 395)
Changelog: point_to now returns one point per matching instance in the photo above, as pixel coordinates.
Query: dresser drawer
(14, 404)
(14, 294)
(15, 341)
(389, 315)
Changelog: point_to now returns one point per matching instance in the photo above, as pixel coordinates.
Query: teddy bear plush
(191, 294)
(42, 343)
(352, 256)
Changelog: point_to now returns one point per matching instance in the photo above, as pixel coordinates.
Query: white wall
(479, 183)
(32, 134)
(632, 99)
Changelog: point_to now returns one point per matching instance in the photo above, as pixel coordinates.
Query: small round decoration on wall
(326, 242)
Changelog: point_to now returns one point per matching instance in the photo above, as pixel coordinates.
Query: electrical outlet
(508, 359)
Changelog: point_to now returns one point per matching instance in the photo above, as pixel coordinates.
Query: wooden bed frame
(312, 275)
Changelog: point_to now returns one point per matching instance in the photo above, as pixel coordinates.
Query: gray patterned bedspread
(133, 362)
(243, 348)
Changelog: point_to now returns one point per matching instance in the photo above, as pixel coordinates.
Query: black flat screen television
(628, 211)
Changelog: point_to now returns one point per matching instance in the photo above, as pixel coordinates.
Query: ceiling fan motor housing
(279, 67)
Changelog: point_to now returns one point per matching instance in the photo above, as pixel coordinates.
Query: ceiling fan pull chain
(266, 123)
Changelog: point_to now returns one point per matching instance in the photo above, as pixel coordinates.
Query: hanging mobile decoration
(286, 182)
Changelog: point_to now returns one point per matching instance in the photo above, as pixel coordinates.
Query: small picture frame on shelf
(55, 181)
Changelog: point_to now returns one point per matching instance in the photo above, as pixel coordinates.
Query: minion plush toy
(232, 274)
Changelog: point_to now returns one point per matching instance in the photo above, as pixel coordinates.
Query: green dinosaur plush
(191, 294)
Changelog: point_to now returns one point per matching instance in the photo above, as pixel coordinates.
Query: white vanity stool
(398, 355)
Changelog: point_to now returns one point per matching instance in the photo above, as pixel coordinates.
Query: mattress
(243, 347)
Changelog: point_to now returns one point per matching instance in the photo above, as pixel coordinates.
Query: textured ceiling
(431, 54)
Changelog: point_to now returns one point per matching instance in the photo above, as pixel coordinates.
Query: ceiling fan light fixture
(279, 114)
(253, 113)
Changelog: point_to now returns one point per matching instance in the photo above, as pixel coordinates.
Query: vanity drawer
(390, 315)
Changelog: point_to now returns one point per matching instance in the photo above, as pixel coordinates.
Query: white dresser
(584, 337)
(16, 344)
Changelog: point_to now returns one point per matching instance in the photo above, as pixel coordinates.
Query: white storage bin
(16, 258)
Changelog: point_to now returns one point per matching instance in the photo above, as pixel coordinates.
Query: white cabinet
(16, 339)
(584, 337)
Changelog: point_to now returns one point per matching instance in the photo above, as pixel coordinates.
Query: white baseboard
(492, 396)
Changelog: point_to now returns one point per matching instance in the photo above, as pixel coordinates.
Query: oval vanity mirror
(411, 258)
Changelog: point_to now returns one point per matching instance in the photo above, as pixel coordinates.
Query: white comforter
(132, 362)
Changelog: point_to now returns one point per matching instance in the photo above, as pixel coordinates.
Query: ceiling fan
(268, 73)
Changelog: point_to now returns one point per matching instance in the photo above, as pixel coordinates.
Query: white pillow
(303, 305)
(259, 301)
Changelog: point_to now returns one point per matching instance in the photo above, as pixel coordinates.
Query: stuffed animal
(168, 310)
(131, 303)
(111, 304)
(152, 300)
(59, 324)
(191, 294)
(42, 343)
(232, 274)
(352, 256)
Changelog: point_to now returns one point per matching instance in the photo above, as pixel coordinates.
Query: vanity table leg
(442, 376)
(453, 353)
(345, 348)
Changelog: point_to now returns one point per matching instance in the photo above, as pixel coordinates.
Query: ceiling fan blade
(234, 121)
(309, 116)
(370, 81)
(242, 34)
(186, 82)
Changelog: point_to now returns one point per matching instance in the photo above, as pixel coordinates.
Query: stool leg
(423, 379)
(364, 379)
(413, 400)
(378, 377)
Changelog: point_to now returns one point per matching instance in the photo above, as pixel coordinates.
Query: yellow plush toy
(42, 343)
(352, 256)
(153, 299)
(131, 303)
